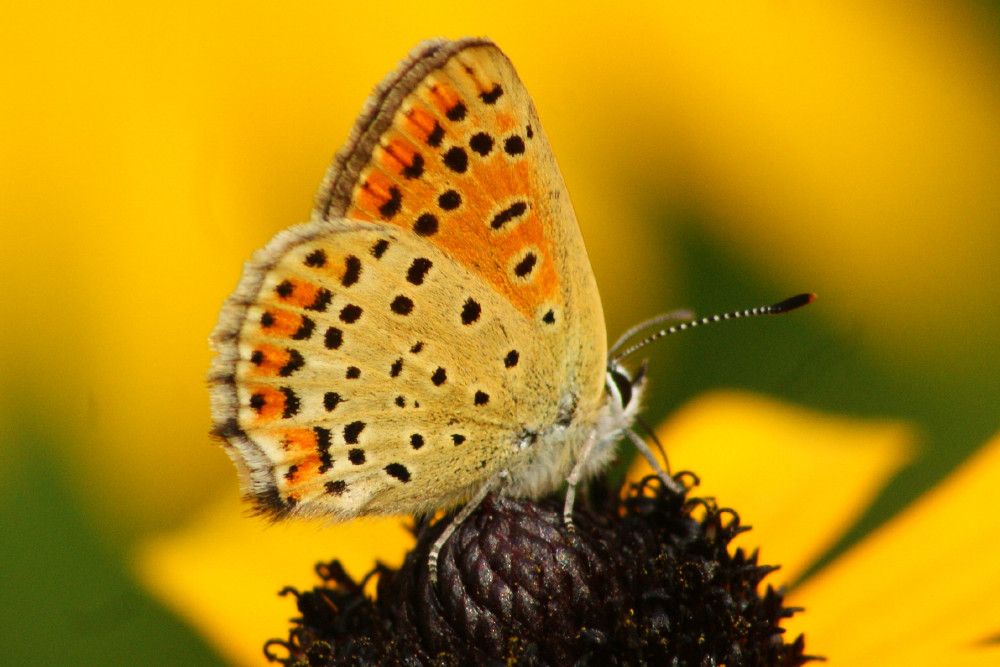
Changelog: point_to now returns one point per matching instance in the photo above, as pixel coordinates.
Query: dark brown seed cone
(640, 581)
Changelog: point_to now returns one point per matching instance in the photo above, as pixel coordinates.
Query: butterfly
(435, 332)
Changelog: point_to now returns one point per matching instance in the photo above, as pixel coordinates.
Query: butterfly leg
(644, 449)
(470, 507)
(574, 479)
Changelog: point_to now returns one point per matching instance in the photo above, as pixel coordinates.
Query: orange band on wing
(269, 403)
(298, 440)
(445, 98)
(401, 157)
(269, 360)
(302, 472)
(378, 194)
(421, 123)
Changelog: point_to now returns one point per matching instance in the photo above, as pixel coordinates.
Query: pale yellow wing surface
(371, 373)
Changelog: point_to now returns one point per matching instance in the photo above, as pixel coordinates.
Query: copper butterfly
(435, 332)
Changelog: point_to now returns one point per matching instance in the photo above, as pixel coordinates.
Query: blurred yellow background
(718, 156)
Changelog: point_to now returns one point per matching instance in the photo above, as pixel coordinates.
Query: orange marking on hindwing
(302, 472)
(301, 294)
(267, 403)
(268, 359)
(280, 323)
(298, 440)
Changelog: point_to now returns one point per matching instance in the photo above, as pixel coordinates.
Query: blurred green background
(718, 157)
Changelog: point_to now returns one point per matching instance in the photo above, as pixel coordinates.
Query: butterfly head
(625, 387)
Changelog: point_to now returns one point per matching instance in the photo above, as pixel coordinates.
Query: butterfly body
(436, 327)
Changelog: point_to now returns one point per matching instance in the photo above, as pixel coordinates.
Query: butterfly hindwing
(372, 372)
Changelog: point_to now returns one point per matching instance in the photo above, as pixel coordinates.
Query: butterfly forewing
(456, 124)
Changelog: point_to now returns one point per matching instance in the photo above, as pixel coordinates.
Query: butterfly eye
(624, 385)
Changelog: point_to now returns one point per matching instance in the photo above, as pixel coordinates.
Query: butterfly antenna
(672, 316)
(791, 303)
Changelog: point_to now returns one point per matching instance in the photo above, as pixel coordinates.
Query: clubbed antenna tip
(792, 303)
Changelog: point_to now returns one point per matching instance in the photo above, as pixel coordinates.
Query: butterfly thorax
(551, 453)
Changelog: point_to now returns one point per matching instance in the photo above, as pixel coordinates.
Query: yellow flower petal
(798, 477)
(922, 590)
(223, 572)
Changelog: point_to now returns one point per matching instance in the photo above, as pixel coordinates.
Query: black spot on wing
(334, 338)
(331, 400)
(418, 270)
(426, 224)
(352, 271)
(515, 210)
(321, 301)
(449, 200)
(294, 363)
(391, 206)
(416, 167)
(305, 329)
(526, 265)
(481, 143)
(257, 402)
(402, 305)
(436, 135)
(350, 313)
(353, 431)
(291, 403)
(471, 311)
(492, 95)
(399, 471)
(457, 112)
(323, 442)
(456, 159)
(513, 145)
(379, 248)
(316, 259)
